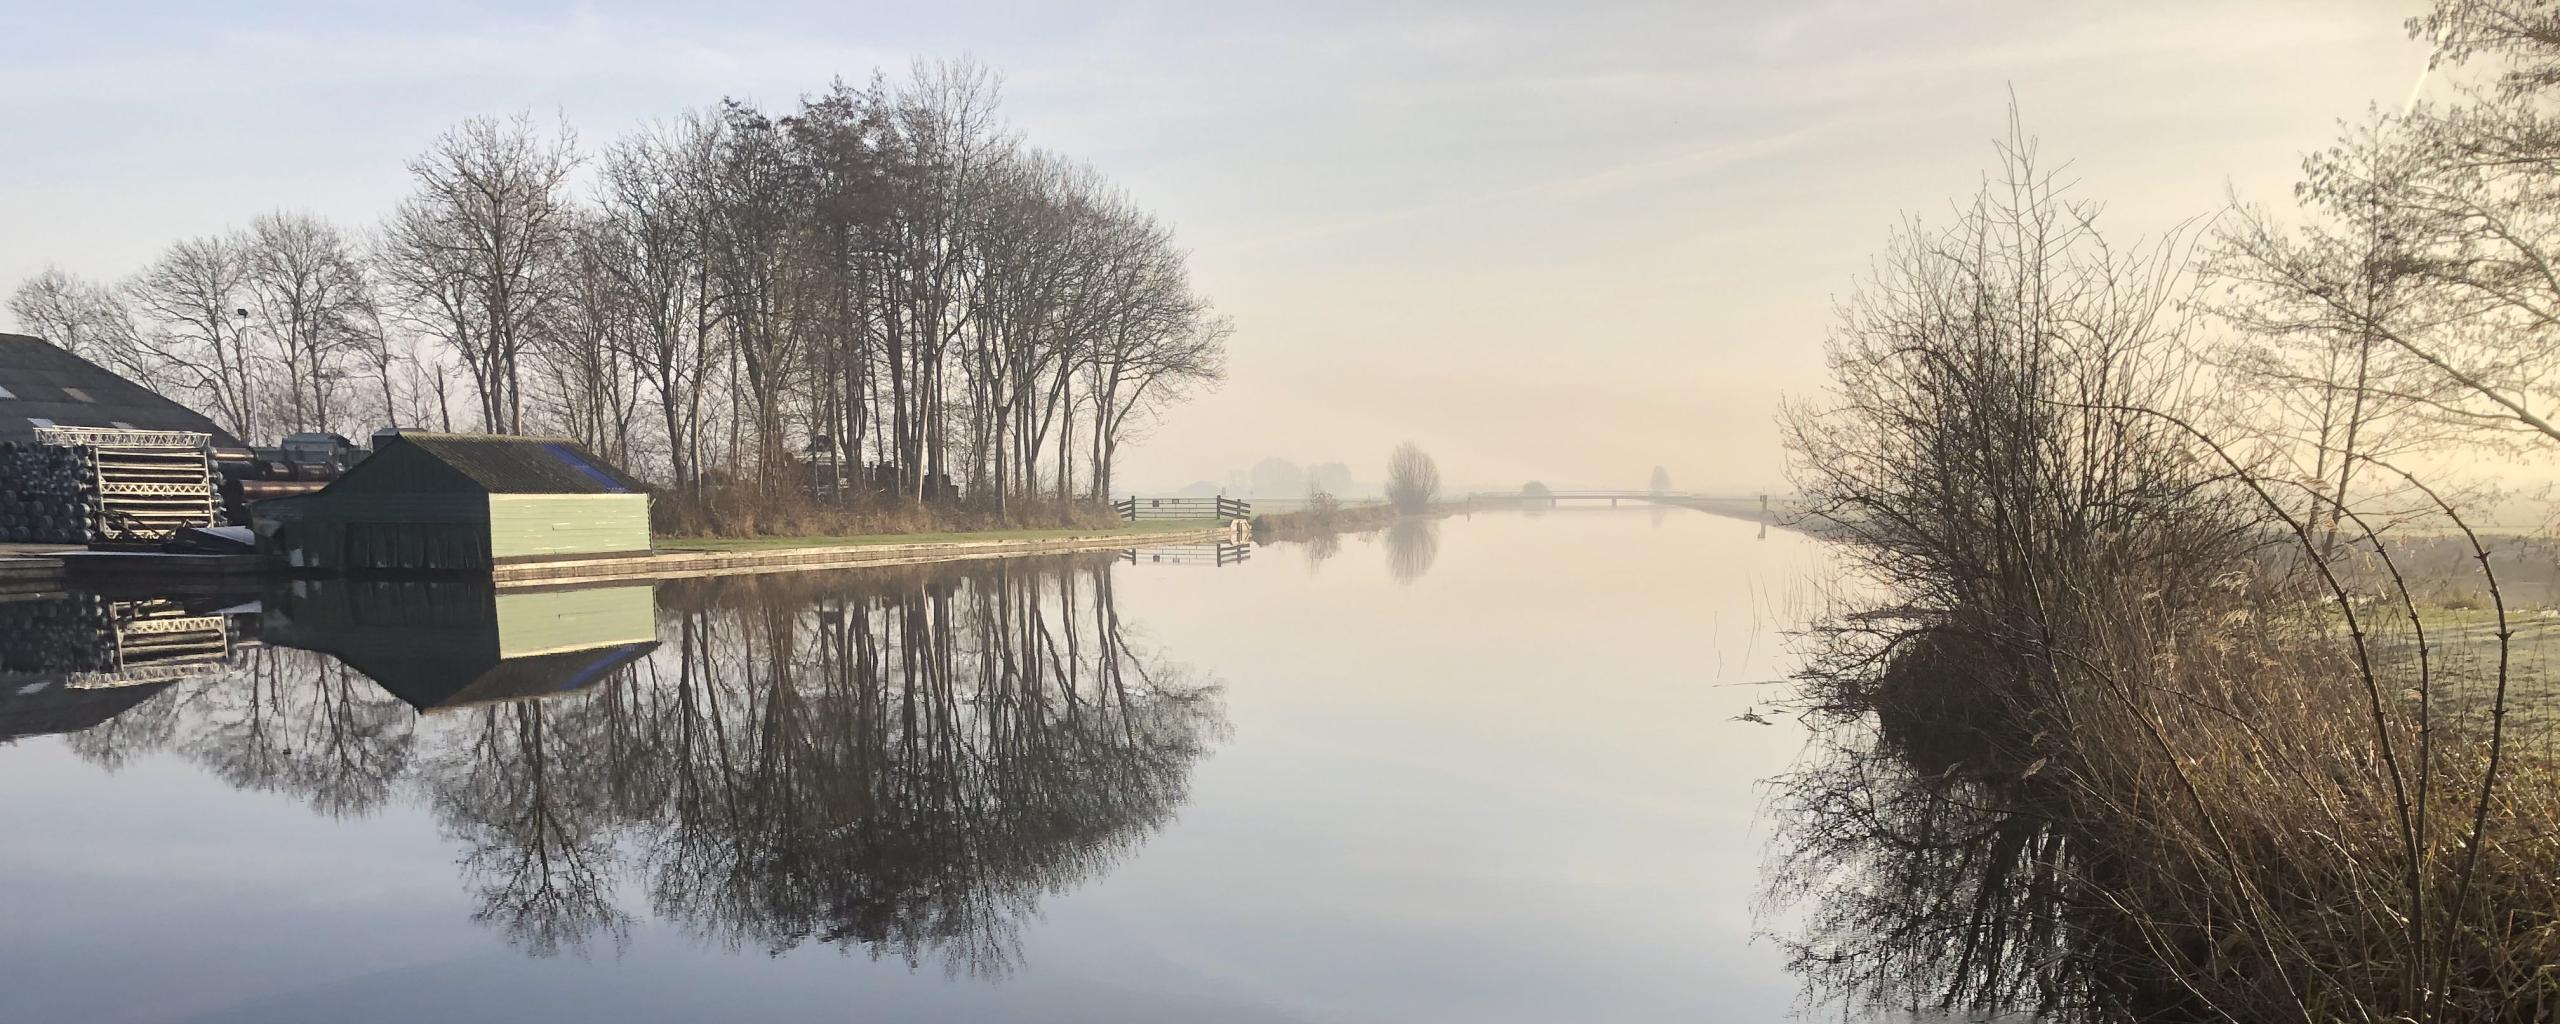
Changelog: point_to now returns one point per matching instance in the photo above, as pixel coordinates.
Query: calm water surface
(1487, 770)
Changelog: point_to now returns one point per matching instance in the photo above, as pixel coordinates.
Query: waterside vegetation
(2149, 714)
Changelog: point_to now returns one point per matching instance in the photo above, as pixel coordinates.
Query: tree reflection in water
(1413, 543)
(1926, 884)
(908, 769)
(1321, 546)
(904, 760)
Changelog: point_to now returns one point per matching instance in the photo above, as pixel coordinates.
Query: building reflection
(901, 761)
(447, 644)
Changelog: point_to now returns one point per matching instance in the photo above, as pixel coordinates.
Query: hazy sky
(1555, 241)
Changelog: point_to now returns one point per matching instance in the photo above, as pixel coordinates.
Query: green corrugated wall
(310, 532)
(543, 621)
(560, 525)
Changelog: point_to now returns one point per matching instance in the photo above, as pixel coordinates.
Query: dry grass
(2212, 810)
(1134, 531)
(1323, 516)
(2315, 840)
(797, 516)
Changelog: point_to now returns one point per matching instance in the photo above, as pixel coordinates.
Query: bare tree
(590, 386)
(481, 243)
(1413, 479)
(313, 302)
(193, 303)
(656, 219)
(84, 318)
(759, 196)
(2458, 204)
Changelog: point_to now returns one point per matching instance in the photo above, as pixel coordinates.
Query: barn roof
(46, 706)
(496, 464)
(41, 385)
(471, 679)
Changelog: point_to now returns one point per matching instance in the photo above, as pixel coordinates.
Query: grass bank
(1321, 518)
(743, 516)
(1134, 531)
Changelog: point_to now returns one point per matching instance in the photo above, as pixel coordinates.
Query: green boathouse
(458, 503)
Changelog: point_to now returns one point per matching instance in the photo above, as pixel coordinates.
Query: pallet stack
(77, 485)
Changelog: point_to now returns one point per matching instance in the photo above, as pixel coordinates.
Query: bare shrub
(2133, 736)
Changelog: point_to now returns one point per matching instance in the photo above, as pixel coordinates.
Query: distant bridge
(1765, 509)
(1725, 504)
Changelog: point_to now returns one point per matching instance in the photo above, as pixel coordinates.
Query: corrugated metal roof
(522, 465)
(39, 382)
(442, 684)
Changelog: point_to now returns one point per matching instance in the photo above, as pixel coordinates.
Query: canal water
(1490, 768)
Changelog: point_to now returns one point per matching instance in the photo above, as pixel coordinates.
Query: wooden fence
(1220, 507)
(1218, 555)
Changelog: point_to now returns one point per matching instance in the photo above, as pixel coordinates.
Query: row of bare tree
(884, 274)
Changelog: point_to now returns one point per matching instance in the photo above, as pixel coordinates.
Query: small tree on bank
(1413, 480)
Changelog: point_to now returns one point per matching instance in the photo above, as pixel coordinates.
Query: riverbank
(1324, 519)
(674, 557)
(726, 544)
(687, 557)
(678, 517)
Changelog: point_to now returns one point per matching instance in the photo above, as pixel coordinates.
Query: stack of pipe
(98, 642)
(75, 633)
(75, 486)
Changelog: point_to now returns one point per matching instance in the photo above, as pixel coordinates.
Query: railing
(1218, 555)
(119, 437)
(1220, 507)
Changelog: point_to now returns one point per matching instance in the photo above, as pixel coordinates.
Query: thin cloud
(1678, 169)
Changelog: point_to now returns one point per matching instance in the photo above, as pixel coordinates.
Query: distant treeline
(886, 273)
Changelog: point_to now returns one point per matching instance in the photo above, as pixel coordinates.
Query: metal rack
(85, 484)
(96, 643)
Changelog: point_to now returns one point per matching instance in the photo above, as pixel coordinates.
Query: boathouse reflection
(446, 644)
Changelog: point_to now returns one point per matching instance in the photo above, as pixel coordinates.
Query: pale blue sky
(1562, 241)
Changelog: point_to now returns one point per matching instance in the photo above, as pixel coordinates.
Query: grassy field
(2463, 651)
(1132, 530)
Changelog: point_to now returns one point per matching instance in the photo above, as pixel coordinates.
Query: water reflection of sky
(1506, 788)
